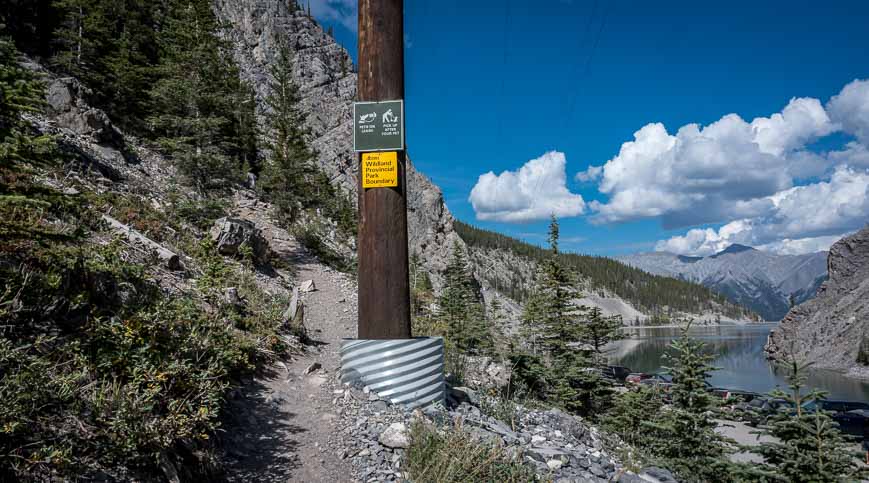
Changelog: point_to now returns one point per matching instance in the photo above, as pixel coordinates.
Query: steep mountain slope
(325, 74)
(508, 266)
(832, 330)
(763, 281)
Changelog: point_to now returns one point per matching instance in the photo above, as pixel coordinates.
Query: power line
(503, 71)
(572, 102)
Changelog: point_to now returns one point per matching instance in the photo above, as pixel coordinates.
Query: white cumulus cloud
(760, 179)
(710, 174)
(535, 191)
(803, 218)
(850, 108)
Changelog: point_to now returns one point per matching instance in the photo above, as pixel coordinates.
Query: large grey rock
(66, 100)
(654, 474)
(231, 233)
(325, 75)
(828, 330)
(483, 371)
(395, 436)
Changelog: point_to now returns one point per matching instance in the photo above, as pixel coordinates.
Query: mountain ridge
(761, 280)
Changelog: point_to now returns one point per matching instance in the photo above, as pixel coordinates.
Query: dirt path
(279, 424)
(282, 421)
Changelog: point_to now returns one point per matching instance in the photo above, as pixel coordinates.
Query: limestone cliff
(325, 74)
(828, 330)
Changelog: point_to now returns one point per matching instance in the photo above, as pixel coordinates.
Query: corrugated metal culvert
(409, 372)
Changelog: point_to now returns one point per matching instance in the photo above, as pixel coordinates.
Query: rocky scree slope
(830, 329)
(760, 280)
(325, 75)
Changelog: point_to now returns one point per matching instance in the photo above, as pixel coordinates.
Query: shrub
(454, 456)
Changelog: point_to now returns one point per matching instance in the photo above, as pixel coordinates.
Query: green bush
(454, 456)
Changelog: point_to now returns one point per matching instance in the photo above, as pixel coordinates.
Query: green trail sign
(378, 126)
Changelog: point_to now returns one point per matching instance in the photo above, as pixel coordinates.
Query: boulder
(231, 297)
(395, 436)
(312, 368)
(464, 394)
(482, 371)
(554, 465)
(66, 103)
(231, 233)
(654, 474)
(307, 286)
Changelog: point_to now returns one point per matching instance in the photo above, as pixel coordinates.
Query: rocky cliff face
(828, 330)
(325, 74)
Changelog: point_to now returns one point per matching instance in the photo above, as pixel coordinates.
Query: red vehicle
(636, 377)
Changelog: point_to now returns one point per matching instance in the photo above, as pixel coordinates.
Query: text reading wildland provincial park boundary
(378, 126)
(380, 170)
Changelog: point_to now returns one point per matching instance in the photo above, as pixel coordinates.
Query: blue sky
(493, 85)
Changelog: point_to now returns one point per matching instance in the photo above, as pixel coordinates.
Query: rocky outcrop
(325, 75)
(229, 234)
(828, 330)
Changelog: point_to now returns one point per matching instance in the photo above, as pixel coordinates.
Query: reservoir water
(738, 354)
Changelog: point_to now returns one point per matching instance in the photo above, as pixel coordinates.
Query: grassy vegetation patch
(454, 456)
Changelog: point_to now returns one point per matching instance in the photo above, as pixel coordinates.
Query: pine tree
(196, 97)
(600, 330)
(421, 294)
(111, 46)
(20, 92)
(809, 446)
(285, 178)
(559, 326)
(686, 439)
(460, 309)
(631, 413)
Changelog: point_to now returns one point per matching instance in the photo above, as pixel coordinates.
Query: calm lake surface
(739, 355)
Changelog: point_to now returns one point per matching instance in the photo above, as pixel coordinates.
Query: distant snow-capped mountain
(762, 281)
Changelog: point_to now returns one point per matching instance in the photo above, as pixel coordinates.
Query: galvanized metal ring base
(409, 372)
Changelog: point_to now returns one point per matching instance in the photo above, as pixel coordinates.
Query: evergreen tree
(111, 46)
(421, 288)
(196, 98)
(20, 93)
(460, 309)
(286, 175)
(559, 314)
(686, 439)
(569, 377)
(600, 330)
(631, 413)
(809, 446)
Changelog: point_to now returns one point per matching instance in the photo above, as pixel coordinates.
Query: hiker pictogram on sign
(378, 126)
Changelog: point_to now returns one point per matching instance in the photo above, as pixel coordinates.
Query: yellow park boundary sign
(380, 170)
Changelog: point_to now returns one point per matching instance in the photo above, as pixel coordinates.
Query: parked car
(734, 396)
(834, 406)
(852, 417)
(660, 381)
(616, 373)
(636, 377)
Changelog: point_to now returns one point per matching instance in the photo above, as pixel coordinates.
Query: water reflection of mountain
(739, 358)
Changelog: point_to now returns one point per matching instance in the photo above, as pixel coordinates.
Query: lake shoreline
(739, 357)
(677, 326)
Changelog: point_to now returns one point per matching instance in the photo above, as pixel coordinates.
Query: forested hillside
(650, 293)
(125, 133)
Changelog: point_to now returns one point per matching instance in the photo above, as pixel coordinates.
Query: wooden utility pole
(384, 293)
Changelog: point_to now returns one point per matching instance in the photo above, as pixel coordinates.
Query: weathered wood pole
(384, 293)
